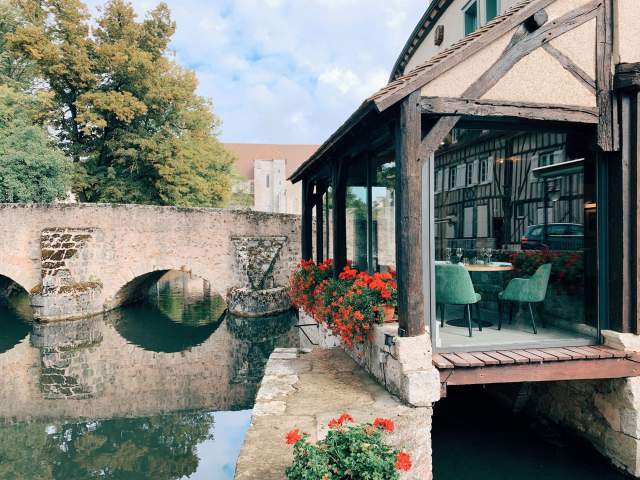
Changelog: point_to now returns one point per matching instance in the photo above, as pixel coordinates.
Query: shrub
(349, 451)
(567, 268)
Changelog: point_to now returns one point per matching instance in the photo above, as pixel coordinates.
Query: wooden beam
(339, 197)
(627, 76)
(542, 372)
(569, 65)
(604, 76)
(409, 219)
(320, 224)
(513, 54)
(497, 108)
(307, 220)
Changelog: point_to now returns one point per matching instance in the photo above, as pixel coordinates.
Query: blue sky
(288, 71)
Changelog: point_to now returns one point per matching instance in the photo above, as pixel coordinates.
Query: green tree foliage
(15, 70)
(31, 169)
(125, 111)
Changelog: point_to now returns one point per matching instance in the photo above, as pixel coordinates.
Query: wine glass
(448, 254)
(483, 254)
(489, 254)
(459, 254)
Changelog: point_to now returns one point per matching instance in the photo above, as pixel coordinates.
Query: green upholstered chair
(454, 287)
(526, 290)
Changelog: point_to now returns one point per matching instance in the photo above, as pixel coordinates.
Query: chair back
(454, 285)
(539, 282)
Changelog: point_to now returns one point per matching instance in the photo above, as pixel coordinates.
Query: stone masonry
(79, 259)
(304, 389)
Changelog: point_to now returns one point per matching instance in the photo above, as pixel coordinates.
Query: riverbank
(304, 390)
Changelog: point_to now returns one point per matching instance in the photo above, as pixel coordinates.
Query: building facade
(263, 171)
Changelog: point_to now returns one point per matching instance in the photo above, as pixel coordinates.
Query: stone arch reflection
(168, 311)
(15, 314)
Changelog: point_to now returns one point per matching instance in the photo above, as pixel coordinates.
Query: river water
(164, 390)
(159, 390)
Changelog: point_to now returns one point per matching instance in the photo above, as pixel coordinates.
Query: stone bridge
(78, 260)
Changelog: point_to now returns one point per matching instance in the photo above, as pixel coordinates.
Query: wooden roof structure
(537, 49)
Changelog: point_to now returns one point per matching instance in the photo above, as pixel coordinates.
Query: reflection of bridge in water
(91, 361)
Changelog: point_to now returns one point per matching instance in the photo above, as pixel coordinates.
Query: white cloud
(288, 71)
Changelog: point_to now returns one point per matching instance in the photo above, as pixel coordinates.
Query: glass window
(384, 216)
(356, 215)
(491, 9)
(471, 18)
(328, 224)
(519, 224)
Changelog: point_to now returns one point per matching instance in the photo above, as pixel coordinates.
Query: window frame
(465, 15)
(486, 10)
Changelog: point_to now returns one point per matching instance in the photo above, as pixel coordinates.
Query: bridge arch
(15, 313)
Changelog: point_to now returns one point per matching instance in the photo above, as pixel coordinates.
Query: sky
(288, 71)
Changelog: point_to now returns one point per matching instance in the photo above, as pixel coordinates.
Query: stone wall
(78, 257)
(405, 368)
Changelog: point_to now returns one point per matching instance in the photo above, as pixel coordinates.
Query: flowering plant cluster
(567, 270)
(349, 451)
(348, 305)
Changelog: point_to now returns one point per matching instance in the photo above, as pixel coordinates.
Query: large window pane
(384, 219)
(511, 203)
(356, 215)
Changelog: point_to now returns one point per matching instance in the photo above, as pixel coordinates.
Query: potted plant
(349, 452)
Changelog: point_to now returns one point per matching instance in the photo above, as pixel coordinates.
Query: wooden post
(319, 225)
(307, 221)
(339, 194)
(409, 218)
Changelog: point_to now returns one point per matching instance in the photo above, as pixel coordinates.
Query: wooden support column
(320, 224)
(624, 206)
(604, 77)
(339, 198)
(307, 220)
(409, 218)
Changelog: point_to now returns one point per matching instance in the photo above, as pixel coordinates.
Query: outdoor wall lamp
(389, 340)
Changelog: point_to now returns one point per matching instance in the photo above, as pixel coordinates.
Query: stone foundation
(305, 390)
(246, 302)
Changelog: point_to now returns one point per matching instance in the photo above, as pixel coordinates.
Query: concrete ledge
(303, 389)
(621, 341)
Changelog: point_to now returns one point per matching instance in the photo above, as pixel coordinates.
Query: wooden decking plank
(503, 359)
(456, 360)
(440, 362)
(597, 351)
(533, 358)
(517, 357)
(546, 356)
(572, 355)
(586, 354)
(557, 352)
(488, 360)
(546, 371)
(473, 361)
(612, 351)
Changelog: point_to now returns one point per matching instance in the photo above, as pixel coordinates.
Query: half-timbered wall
(503, 188)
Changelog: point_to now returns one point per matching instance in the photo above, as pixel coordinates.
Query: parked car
(560, 236)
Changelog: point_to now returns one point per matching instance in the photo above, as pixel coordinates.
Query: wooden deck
(535, 365)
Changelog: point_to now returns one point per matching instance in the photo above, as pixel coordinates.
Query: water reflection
(14, 320)
(134, 394)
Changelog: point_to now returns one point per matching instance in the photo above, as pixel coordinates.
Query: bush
(567, 268)
(349, 451)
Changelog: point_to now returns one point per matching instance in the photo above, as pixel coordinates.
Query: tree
(31, 169)
(126, 113)
(15, 70)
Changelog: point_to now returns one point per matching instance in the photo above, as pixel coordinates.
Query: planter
(389, 313)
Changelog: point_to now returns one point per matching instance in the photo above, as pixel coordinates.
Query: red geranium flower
(403, 462)
(385, 423)
(293, 437)
(338, 422)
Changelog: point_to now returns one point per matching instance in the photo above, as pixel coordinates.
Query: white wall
(453, 21)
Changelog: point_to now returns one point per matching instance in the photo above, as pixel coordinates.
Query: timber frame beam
(496, 108)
